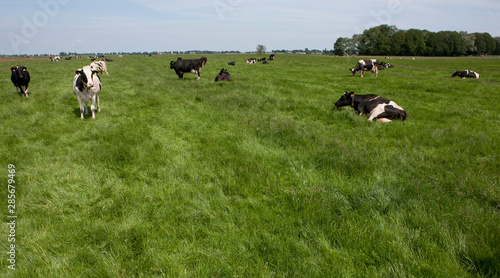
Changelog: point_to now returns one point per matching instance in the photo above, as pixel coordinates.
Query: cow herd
(87, 85)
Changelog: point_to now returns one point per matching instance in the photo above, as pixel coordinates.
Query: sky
(54, 26)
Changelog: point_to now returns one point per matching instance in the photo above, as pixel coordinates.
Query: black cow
(186, 66)
(203, 62)
(21, 78)
(362, 65)
(272, 57)
(376, 107)
(231, 64)
(223, 76)
(465, 74)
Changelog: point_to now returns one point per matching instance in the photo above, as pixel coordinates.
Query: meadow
(258, 177)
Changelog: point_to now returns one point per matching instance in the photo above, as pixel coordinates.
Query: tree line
(389, 40)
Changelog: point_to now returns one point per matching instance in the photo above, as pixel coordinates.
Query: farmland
(257, 177)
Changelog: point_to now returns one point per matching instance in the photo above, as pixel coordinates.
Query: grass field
(258, 177)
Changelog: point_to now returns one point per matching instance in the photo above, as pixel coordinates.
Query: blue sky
(53, 26)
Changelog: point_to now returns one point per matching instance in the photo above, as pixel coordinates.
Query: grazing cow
(99, 66)
(223, 76)
(465, 74)
(186, 66)
(251, 60)
(86, 86)
(231, 64)
(21, 78)
(362, 65)
(272, 57)
(376, 107)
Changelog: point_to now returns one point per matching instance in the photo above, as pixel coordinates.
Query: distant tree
(377, 40)
(397, 42)
(261, 49)
(497, 48)
(469, 40)
(414, 43)
(340, 46)
(485, 43)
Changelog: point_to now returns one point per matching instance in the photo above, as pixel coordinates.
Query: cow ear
(79, 71)
(13, 68)
(351, 94)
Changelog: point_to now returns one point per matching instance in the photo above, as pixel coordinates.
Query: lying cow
(362, 65)
(376, 107)
(223, 76)
(186, 66)
(99, 66)
(272, 57)
(465, 74)
(86, 86)
(251, 60)
(21, 79)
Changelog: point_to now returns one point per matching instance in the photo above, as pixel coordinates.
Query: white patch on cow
(384, 120)
(477, 75)
(395, 105)
(379, 109)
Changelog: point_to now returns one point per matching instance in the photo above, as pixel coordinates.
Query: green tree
(377, 40)
(485, 43)
(261, 49)
(469, 40)
(414, 43)
(340, 46)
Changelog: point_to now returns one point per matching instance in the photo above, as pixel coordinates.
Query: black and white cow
(186, 66)
(223, 76)
(99, 66)
(251, 60)
(87, 86)
(362, 65)
(21, 79)
(272, 57)
(465, 74)
(376, 107)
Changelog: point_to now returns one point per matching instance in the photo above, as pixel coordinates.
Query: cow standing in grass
(366, 65)
(376, 107)
(21, 79)
(186, 66)
(86, 86)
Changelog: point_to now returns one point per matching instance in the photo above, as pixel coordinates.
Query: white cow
(99, 66)
(86, 86)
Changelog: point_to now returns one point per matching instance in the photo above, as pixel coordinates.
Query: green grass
(258, 177)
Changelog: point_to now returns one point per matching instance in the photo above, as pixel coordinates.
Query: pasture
(257, 177)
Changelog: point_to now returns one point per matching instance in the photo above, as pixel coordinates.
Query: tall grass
(259, 176)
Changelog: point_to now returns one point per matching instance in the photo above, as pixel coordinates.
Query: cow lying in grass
(465, 74)
(376, 107)
(223, 76)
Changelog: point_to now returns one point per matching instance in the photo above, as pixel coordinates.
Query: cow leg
(92, 106)
(361, 72)
(384, 120)
(198, 73)
(82, 108)
(97, 102)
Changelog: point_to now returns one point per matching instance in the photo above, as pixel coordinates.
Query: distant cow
(21, 78)
(251, 60)
(87, 86)
(223, 76)
(99, 66)
(362, 65)
(376, 107)
(186, 66)
(231, 64)
(465, 74)
(272, 57)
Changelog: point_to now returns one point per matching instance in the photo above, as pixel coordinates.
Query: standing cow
(376, 107)
(86, 86)
(186, 66)
(99, 66)
(21, 78)
(362, 65)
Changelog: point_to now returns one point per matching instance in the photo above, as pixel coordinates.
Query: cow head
(455, 74)
(19, 71)
(86, 74)
(172, 64)
(345, 99)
